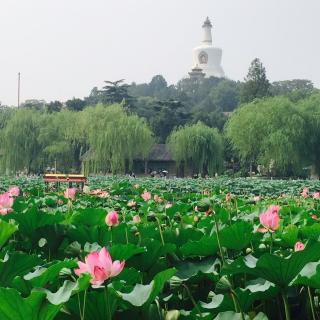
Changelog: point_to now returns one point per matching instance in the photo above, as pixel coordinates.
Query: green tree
(310, 109)
(269, 130)
(256, 84)
(53, 106)
(21, 149)
(166, 115)
(62, 140)
(208, 113)
(198, 147)
(114, 138)
(75, 104)
(226, 95)
(117, 92)
(295, 90)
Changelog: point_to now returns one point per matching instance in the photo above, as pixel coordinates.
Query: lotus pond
(160, 249)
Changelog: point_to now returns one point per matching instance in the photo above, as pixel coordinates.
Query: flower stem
(192, 300)
(160, 231)
(286, 305)
(110, 228)
(79, 305)
(271, 241)
(106, 295)
(311, 304)
(84, 304)
(126, 231)
(236, 301)
(218, 239)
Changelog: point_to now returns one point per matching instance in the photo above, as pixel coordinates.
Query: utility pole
(18, 89)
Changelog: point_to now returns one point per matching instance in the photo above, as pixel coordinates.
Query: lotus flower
(112, 218)
(14, 191)
(228, 197)
(131, 204)
(305, 192)
(314, 217)
(316, 195)
(70, 193)
(136, 219)
(270, 219)
(96, 191)
(104, 194)
(156, 198)
(100, 266)
(168, 205)
(6, 202)
(298, 246)
(146, 195)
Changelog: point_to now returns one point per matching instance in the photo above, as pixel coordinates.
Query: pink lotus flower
(6, 202)
(96, 191)
(298, 246)
(314, 217)
(316, 195)
(104, 194)
(146, 195)
(156, 198)
(228, 197)
(270, 219)
(112, 218)
(131, 204)
(100, 266)
(14, 191)
(70, 193)
(136, 219)
(305, 192)
(168, 205)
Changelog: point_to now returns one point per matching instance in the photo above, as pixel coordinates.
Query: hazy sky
(63, 48)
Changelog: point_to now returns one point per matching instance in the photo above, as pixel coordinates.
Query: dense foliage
(199, 147)
(277, 131)
(276, 126)
(102, 138)
(189, 250)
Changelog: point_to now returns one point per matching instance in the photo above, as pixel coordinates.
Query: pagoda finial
(207, 23)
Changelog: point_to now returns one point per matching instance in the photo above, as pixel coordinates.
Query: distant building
(207, 58)
(160, 158)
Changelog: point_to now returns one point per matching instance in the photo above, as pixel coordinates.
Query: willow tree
(61, 139)
(114, 138)
(268, 131)
(197, 146)
(20, 146)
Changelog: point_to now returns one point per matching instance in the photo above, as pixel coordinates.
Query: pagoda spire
(207, 36)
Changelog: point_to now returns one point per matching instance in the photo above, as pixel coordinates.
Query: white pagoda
(206, 57)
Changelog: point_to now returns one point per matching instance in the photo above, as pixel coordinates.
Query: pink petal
(116, 268)
(92, 260)
(105, 259)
